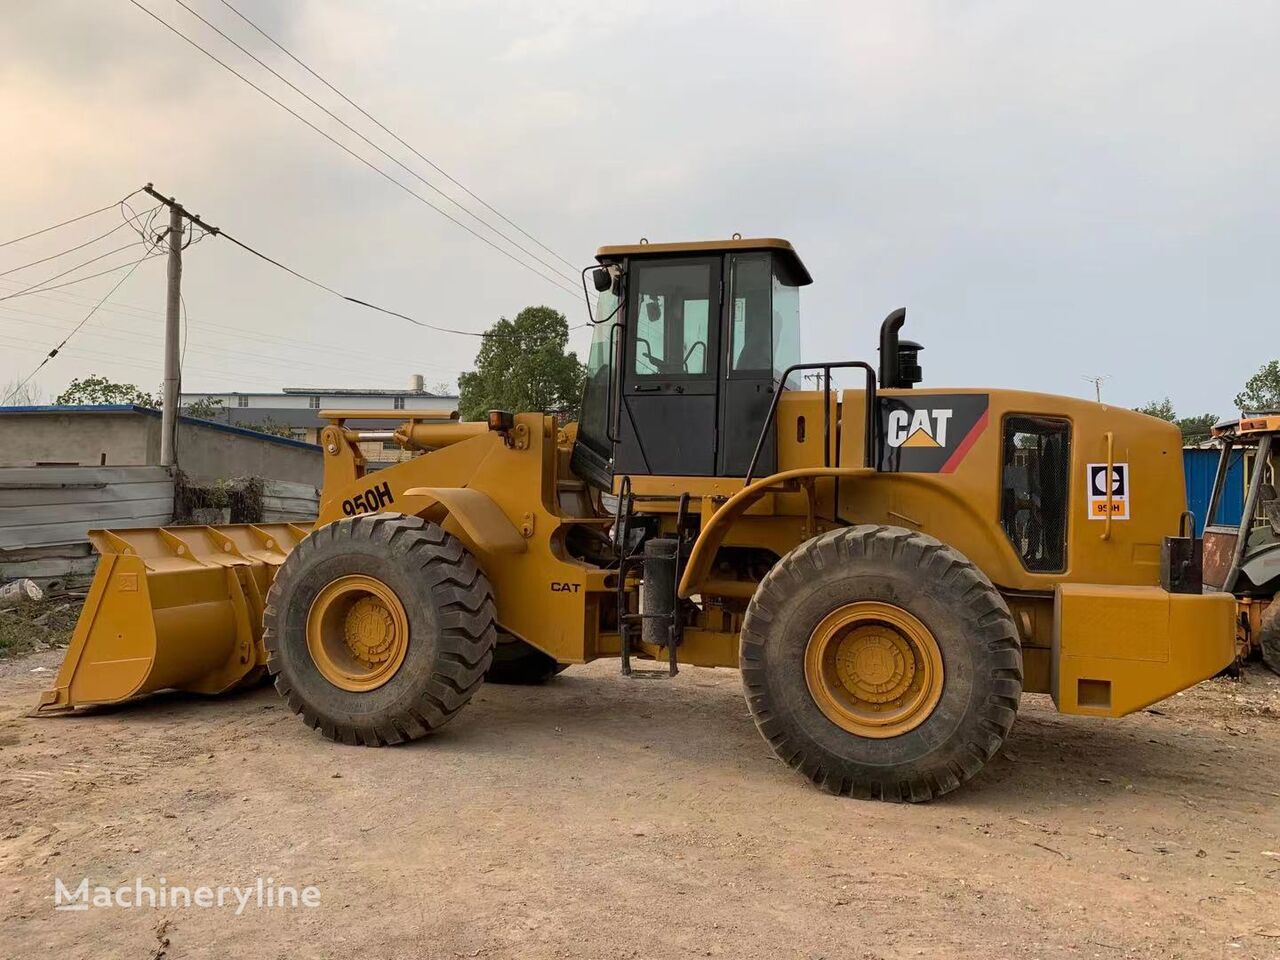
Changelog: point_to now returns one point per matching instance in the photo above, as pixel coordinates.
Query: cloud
(1051, 191)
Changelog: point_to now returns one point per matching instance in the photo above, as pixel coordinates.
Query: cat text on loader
(889, 567)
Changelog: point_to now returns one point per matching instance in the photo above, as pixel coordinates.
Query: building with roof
(297, 410)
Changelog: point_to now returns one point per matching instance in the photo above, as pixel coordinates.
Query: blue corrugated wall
(1199, 467)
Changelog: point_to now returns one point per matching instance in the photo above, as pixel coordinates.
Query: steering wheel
(689, 353)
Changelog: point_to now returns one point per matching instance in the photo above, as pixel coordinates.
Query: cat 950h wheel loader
(890, 567)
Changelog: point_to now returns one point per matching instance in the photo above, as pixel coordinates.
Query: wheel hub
(357, 633)
(370, 630)
(874, 669)
(875, 663)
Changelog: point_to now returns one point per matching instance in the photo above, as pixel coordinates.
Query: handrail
(712, 533)
(613, 392)
(869, 446)
(337, 416)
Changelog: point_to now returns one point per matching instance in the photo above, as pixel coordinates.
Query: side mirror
(652, 311)
(601, 279)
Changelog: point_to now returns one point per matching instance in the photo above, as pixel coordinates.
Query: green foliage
(1161, 409)
(96, 390)
(1196, 428)
(1193, 428)
(1262, 390)
(206, 409)
(522, 366)
(267, 425)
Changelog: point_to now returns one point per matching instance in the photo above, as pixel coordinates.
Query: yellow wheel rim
(874, 669)
(357, 633)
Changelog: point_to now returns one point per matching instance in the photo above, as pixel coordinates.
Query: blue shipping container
(1199, 466)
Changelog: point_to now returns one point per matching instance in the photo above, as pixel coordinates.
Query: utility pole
(172, 313)
(1097, 385)
(172, 317)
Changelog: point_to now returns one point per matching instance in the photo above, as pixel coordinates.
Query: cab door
(762, 339)
(670, 368)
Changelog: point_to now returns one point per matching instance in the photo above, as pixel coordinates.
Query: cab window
(673, 315)
(764, 329)
(751, 339)
(1033, 490)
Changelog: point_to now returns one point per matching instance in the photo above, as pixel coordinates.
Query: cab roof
(780, 248)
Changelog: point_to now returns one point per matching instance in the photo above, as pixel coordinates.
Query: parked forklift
(1245, 559)
(889, 567)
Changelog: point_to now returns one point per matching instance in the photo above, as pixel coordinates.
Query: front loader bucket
(171, 608)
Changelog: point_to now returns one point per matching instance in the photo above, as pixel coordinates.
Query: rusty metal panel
(1219, 546)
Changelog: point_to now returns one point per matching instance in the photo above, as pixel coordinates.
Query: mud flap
(171, 608)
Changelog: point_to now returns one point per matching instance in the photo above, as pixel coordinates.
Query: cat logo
(918, 428)
(924, 432)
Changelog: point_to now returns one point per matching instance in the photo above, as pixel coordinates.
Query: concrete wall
(89, 440)
(132, 438)
(207, 453)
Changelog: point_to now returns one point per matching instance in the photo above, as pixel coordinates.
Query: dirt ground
(601, 817)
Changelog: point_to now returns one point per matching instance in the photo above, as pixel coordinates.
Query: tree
(1262, 390)
(1196, 428)
(1192, 428)
(1161, 409)
(206, 408)
(18, 394)
(94, 390)
(267, 425)
(522, 366)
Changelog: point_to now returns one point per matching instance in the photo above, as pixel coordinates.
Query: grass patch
(37, 625)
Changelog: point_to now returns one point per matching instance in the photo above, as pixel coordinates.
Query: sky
(1053, 191)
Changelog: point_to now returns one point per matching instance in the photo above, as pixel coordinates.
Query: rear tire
(955, 701)
(516, 662)
(440, 645)
(1269, 635)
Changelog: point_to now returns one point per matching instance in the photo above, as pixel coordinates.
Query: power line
(372, 166)
(54, 352)
(395, 136)
(143, 315)
(83, 216)
(55, 256)
(36, 291)
(98, 355)
(41, 284)
(219, 232)
(125, 335)
(572, 278)
(356, 300)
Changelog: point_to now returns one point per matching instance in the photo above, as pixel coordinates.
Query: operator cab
(691, 341)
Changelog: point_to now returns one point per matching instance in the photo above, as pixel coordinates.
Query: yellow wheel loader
(890, 567)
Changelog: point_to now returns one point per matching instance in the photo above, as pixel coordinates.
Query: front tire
(379, 629)
(881, 663)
